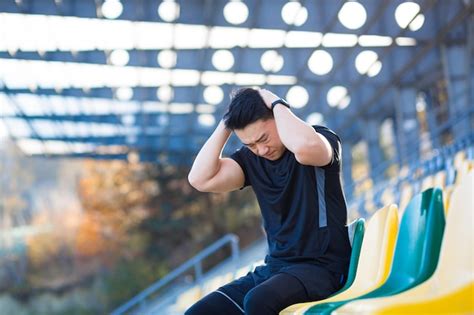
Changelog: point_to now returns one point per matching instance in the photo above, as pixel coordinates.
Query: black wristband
(280, 101)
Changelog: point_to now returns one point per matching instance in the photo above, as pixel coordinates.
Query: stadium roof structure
(149, 79)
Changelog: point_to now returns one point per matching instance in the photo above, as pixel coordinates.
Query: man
(295, 170)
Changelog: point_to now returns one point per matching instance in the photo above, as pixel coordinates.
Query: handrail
(193, 262)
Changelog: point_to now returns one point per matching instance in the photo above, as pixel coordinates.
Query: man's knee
(198, 308)
(206, 305)
(214, 303)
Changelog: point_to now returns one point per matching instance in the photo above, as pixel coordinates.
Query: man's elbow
(303, 158)
(194, 181)
(312, 155)
(198, 184)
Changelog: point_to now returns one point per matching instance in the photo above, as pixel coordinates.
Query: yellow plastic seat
(462, 170)
(440, 179)
(460, 301)
(451, 286)
(459, 163)
(375, 260)
(447, 192)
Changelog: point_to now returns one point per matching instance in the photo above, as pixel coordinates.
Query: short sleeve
(335, 143)
(241, 157)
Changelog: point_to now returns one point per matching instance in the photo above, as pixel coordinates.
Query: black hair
(246, 107)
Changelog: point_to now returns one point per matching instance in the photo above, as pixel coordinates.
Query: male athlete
(295, 171)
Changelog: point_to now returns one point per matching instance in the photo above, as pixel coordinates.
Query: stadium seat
(356, 231)
(450, 174)
(460, 301)
(374, 265)
(416, 253)
(440, 179)
(459, 159)
(388, 195)
(428, 182)
(450, 289)
(462, 169)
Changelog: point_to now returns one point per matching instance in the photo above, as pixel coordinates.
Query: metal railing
(195, 262)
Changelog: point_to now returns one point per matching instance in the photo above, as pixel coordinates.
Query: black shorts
(318, 282)
(276, 285)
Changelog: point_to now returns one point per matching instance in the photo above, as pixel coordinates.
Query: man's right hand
(212, 173)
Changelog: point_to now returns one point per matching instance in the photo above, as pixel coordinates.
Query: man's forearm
(309, 147)
(294, 133)
(206, 164)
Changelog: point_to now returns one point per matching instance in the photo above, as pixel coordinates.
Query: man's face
(262, 138)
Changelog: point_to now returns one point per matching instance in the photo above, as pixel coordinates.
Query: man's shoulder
(242, 152)
(242, 155)
(319, 128)
(325, 131)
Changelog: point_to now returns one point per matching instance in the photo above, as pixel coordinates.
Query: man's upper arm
(333, 144)
(316, 151)
(327, 151)
(229, 177)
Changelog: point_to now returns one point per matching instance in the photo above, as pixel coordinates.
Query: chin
(275, 156)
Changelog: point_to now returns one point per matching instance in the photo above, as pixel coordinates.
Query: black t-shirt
(303, 207)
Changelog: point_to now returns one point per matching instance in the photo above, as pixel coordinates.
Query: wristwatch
(280, 101)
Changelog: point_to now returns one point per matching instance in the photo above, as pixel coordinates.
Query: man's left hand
(268, 97)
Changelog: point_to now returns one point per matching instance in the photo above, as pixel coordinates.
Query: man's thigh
(275, 294)
(318, 281)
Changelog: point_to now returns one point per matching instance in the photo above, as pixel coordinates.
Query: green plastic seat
(416, 252)
(450, 290)
(378, 245)
(356, 233)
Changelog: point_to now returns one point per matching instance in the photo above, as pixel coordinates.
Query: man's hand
(268, 97)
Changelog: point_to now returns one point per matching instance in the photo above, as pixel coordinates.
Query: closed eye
(263, 138)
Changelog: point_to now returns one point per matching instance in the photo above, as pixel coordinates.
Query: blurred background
(105, 103)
